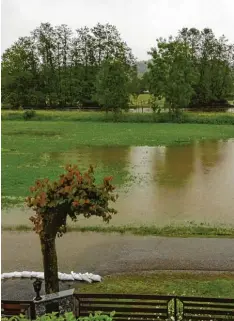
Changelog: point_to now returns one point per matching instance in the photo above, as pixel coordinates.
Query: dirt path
(106, 254)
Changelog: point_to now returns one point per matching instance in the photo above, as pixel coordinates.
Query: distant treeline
(56, 67)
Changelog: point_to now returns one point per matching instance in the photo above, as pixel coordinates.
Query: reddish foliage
(72, 194)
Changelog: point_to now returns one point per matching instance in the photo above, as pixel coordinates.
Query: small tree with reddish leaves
(71, 195)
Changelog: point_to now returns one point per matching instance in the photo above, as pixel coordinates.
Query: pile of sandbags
(87, 277)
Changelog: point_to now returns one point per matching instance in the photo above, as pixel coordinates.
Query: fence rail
(154, 307)
(13, 308)
(207, 309)
(130, 307)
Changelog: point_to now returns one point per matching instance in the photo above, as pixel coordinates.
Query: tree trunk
(50, 263)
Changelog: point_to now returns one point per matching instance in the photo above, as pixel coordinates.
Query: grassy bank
(190, 230)
(79, 116)
(32, 150)
(190, 284)
(54, 136)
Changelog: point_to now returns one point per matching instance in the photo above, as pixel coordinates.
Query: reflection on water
(183, 183)
(165, 184)
(93, 155)
(106, 161)
(177, 166)
(212, 153)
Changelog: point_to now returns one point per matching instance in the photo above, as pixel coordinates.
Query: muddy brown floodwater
(165, 185)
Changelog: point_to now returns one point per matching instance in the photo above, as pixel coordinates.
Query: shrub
(29, 114)
(68, 316)
(98, 316)
(154, 105)
(124, 117)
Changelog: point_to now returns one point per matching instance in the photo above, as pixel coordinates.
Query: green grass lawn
(188, 284)
(189, 230)
(55, 136)
(32, 150)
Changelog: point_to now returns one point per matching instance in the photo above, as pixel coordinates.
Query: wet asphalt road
(106, 254)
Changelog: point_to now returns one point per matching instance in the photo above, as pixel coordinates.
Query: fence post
(63, 301)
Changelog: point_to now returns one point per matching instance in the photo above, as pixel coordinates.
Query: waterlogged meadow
(164, 173)
(32, 150)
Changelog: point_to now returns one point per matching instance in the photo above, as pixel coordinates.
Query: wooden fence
(130, 307)
(14, 308)
(153, 307)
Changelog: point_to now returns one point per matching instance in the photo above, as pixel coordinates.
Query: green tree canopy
(172, 74)
(112, 85)
(213, 59)
(192, 69)
(56, 67)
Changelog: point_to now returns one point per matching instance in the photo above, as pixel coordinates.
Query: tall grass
(189, 230)
(125, 117)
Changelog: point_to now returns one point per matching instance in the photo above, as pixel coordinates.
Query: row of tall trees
(192, 69)
(94, 66)
(55, 67)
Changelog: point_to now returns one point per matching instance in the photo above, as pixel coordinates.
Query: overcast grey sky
(140, 22)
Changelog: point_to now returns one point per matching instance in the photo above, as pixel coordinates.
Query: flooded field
(159, 185)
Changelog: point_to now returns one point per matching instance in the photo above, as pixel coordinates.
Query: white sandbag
(87, 274)
(40, 275)
(93, 277)
(67, 277)
(26, 274)
(85, 278)
(9, 275)
(76, 276)
(63, 276)
(79, 276)
(70, 277)
(88, 277)
(33, 274)
(96, 278)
